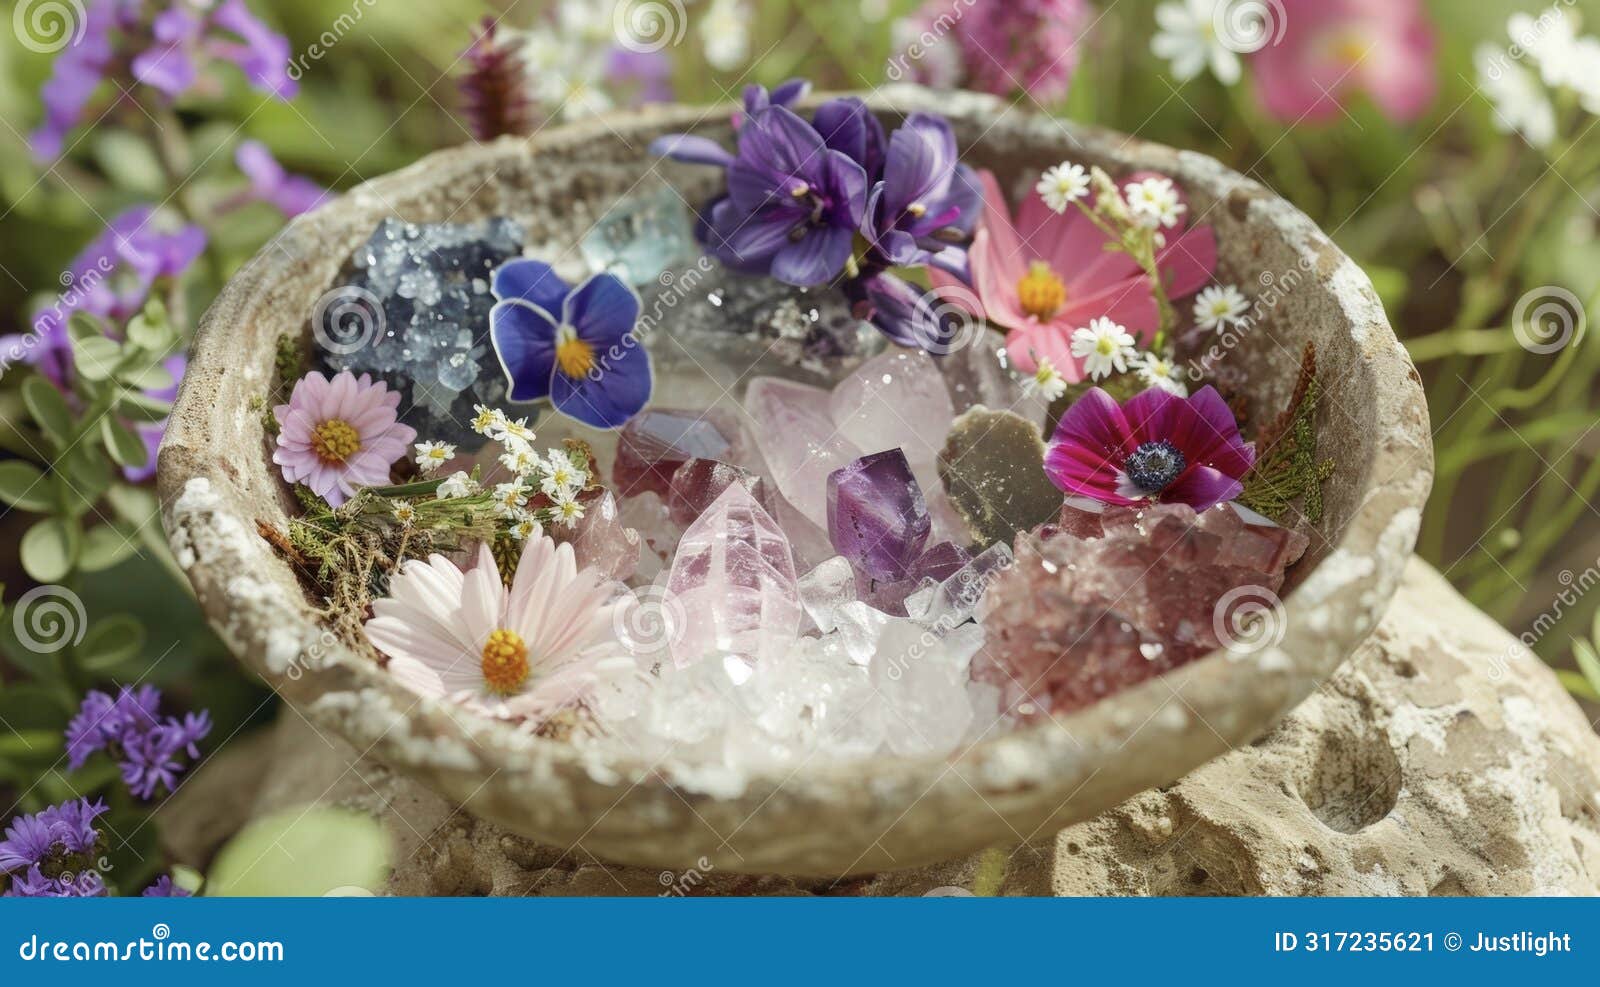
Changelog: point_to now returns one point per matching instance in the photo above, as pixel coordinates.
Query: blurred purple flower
(167, 51)
(186, 34)
(130, 728)
(648, 73)
(152, 432)
(164, 888)
(269, 182)
(49, 847)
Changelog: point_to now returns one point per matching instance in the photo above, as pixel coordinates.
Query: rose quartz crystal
(1103, 601)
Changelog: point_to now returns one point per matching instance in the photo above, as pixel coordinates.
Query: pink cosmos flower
(1049, 273)
(1330, 48)
(1156, 447)
(335, 436)
(522, 653)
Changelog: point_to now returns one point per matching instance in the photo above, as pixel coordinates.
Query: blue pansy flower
(574, 346)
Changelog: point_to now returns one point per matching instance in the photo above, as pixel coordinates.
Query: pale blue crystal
(640, 236)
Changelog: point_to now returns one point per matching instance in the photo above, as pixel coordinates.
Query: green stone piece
(992, 466)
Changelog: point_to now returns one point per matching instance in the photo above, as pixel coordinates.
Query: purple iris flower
(575, 346)
(793, 204)
(847, 126)
(927, 203)
(786, 93)
(288, 193)
(150, 748)
(1156, 447)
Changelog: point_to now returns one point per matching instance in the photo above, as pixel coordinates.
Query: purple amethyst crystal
(655, 442)
(877, 517)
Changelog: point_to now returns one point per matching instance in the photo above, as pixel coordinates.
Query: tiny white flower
(1551, 40)
(1046, 381)
(568, 510)
(457, 484)
(404, 513)
(519, 459)
(509, 432)
(1220, 306)
(725, 34)
(1156, 371)
(432, 455)
(1521, 104)
(561, 478)
(509, 498)
(524, 529)
(1063, 185)
(1588, 84)
(485, 420)
(1189, 42)
(1103, 346)
(1154, 202)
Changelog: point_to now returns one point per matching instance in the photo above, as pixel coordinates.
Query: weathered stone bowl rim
(1032, 776)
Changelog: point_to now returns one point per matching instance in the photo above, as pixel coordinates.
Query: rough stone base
(1435, 762)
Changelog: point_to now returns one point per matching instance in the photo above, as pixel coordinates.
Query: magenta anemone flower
(1048, 273)
(335, 436)
(1332, 48)
(1156, 447)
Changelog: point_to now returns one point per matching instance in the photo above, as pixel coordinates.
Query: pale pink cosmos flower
(1049, 273)
(521, 653)
(335, 436)
(1330, 49)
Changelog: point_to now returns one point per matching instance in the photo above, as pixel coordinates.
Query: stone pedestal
(1435, 761)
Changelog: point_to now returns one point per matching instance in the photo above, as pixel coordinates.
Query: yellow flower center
(1040, 293)
(574, 356)
(1349, 48)
(335, 440)
(505, 662)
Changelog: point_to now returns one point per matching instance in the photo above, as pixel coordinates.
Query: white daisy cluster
(556, 474)
(1063, 185)
(1155, 203)
(1104, 346)
(1565, 63)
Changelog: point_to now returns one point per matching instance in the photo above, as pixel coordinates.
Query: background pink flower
(1049, 273)
(1332, 48)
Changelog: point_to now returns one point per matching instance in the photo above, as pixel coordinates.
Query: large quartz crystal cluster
(823, 561)
(412, 309)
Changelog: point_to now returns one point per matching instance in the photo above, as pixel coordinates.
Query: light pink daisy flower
(1046, 273)
(522, 653)
(335, 436)
(1331, 49)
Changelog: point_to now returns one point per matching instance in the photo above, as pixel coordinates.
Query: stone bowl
(217, 484)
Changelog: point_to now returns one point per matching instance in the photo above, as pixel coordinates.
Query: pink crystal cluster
(1102, 601)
